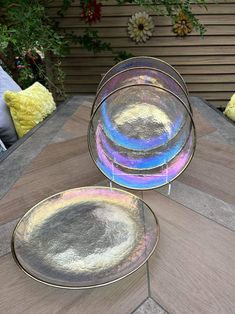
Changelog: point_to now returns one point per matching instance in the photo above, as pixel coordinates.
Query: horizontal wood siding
(207, 64)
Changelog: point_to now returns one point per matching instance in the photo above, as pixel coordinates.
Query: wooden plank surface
(212, 170)
(20, 294)
(48, 174)
(193, 269)
(61, 165)
(203, 127)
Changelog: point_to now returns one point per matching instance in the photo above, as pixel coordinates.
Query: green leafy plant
(26, 29)
(92, 42)
(64, 7)
(122, 55)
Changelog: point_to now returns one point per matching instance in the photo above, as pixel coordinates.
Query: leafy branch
(91, 41)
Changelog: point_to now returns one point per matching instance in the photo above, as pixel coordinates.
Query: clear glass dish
(85, 237)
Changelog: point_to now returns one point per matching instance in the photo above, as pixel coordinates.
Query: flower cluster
(140, 27)
(182, 26)
(91, 11)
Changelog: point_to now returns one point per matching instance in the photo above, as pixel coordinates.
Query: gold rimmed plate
(85, 237)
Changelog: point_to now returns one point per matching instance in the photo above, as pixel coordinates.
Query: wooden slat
(160, 31)
(164, 51)
(209, 69)
(213, 96)
(211, 87)
(173, 60)
(200, 70)
(202, 125)
(230, 78)
(226, 78)
(210, 175)
(225, 96)
(47, 176)
(76, 3)
(114, 11)
(174, 42)
(158, 21)
(32, 297)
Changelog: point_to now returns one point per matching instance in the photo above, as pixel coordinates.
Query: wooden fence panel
(207, 64)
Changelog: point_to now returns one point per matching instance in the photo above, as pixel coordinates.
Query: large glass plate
(85, 237)
(141, 75)
(141, 136)
(143, 61)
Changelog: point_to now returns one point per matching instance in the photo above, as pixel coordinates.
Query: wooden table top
(193, 267)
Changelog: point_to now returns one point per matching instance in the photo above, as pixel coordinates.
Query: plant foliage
(26, 30)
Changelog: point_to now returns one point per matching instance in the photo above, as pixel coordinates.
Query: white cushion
(7, 130)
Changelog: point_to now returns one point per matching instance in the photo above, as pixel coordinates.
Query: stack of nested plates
(141, 133)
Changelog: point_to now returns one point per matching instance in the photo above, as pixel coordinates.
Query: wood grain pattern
(162, 31)
(202, 126)
(174, 61)
(212, 170)
(127, 10)
(60, 166)
(164, 51)
(119, 21)
(21, 294)
(72, 70)
(215, 48)
(78, 123)
(192, 270)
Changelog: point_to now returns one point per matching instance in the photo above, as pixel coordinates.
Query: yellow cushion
(29, 107)
(230, 108)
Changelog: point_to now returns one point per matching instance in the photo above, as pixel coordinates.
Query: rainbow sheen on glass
(85, 237)
(141, 133)
(143, 61)
(140, 75)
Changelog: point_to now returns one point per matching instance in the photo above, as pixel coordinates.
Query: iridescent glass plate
(141, 136)
(143, 61)
(141, 75)
(85, 237)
